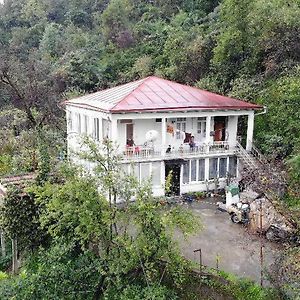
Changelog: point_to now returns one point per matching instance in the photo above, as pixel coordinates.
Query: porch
(174, 137)
(133, 153)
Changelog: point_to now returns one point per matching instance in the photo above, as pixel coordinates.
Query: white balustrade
(183, 151)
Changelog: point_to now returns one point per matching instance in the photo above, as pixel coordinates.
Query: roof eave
(87, 106)
(184, 109)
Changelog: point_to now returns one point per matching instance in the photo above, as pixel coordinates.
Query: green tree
(132, 240)
(115, 23)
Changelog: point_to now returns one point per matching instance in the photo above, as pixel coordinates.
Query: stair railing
(245, 156)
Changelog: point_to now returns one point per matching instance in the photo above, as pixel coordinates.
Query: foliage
(243, 289)
(61, 272)
(281, 97)
(134, 243)
(136, 292)
(26, 150)
(50, 49)
(286, 275)
(20, 219)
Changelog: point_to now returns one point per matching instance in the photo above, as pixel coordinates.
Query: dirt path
(239, 251)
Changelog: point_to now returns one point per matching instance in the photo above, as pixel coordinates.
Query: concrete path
(238, 251)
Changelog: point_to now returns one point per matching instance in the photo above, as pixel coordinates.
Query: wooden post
(217, 262)
(200, 260)
(261, 245)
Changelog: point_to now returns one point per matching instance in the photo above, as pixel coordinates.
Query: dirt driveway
(238, 251)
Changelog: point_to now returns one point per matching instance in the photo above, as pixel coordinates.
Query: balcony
(141, 152)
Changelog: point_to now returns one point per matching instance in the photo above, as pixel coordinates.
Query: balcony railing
(143, 152)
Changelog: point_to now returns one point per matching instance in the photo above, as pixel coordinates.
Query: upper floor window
(105, 128)
(78, 115)
(181, 127)
(96, 128)
(85, 124)
(201, 126)
(70, 121)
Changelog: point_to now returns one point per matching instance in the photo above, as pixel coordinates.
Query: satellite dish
(151, 135)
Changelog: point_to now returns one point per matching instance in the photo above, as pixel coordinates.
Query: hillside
(53, 50)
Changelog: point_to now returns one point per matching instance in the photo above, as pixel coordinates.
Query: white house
(160, 125)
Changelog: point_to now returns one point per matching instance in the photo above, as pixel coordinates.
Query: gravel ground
(238, 251)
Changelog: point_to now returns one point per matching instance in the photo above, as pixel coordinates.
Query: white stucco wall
(144, 122)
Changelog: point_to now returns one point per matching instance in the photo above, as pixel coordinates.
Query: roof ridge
(202, 90)
(107, 89)
(143, 80)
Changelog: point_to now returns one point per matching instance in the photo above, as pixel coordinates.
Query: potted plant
(200, 195)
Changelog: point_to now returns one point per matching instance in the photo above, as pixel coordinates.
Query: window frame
(201, 126)
(180, 123)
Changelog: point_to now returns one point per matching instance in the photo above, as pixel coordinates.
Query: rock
(248, 195)
(264, 217)
(278, 234)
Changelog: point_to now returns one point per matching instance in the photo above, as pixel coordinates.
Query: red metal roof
(157, 94)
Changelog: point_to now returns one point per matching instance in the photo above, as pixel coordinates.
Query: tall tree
(30, 87)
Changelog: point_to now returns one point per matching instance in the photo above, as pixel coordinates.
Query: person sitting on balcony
(168, 149)
(130, 143)
(192, 143)
(137, 150)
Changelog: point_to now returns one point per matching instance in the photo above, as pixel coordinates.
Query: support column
(114, 131)
(207, 129)
(163, 135)
(232, 130)
(250, 129)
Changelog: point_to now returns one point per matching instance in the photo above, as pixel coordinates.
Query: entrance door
(219, 128)
(173, 170)
(129, 135)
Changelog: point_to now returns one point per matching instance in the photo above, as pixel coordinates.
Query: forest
(53, 50)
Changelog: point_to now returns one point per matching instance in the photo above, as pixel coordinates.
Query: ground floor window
(155, 173)
(193, 171)
(213, 168)
(232, 170)
(186, 173)
(144, 171)
(222, 167)
(201, 170)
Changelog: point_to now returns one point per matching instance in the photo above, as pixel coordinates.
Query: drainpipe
(249, 144)
(262, 112)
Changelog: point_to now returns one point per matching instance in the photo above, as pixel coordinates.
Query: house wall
(154, 173)
(144, 122)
